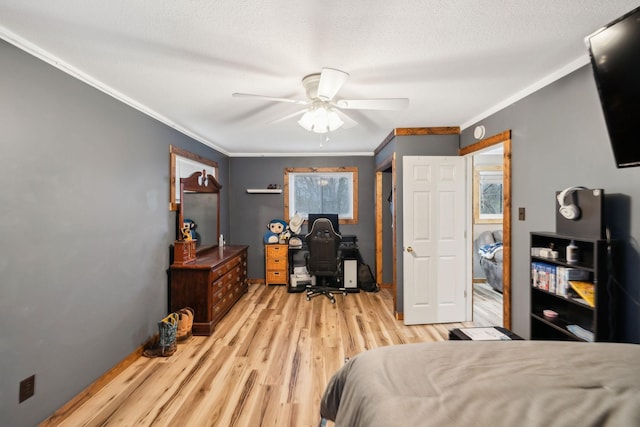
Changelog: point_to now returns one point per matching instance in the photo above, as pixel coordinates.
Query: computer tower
(350, 274)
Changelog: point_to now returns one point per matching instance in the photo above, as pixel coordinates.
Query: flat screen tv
(615, 59)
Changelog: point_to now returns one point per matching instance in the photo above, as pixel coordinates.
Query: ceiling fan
(323, 112)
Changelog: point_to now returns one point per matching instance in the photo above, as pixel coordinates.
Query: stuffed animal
(188, 230)
(276, 231)
(285, 235)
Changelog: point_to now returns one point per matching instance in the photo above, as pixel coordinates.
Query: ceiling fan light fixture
(324, 111)
(320, 120)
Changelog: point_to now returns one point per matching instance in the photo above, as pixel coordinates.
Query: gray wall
(252, 212)
(559, 139)
(85, 232)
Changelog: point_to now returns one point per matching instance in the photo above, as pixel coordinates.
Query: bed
(488, 383)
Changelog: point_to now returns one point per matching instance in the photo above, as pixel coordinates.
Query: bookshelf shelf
(551, 290)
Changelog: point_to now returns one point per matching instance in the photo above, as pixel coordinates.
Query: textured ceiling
(180, 61)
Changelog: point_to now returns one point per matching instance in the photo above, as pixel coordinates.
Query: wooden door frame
(505, 139)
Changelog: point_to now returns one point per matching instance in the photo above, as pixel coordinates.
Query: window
(322, 190)
(488, 194)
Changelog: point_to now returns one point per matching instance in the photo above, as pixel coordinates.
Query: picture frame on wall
(488, 194)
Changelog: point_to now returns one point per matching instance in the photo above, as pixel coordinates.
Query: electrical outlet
(521, 214)
(27, 388)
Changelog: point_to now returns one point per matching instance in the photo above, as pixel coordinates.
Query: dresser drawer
(223, 269)
(218, 293)
(276, 251)
(277, 277)
(220, 308)
(276, 263)
(225, 283)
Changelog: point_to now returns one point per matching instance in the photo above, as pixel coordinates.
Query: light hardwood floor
(266, 364)
(487, 305)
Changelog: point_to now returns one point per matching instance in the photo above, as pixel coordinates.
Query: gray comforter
(488, 383)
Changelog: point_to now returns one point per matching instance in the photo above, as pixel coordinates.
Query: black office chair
(323, 259)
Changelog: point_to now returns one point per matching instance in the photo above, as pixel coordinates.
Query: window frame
(323, 172)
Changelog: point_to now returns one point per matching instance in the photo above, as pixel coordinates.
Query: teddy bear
(277, 230)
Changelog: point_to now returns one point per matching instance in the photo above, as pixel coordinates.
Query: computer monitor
(331, 217)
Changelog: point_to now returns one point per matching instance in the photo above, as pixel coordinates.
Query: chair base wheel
(314, 293)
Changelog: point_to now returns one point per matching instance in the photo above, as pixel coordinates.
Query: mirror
(200, 203)
(182, 164)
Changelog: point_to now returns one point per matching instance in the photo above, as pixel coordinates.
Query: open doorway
(487, 234)
(487, 145)
(385, 226)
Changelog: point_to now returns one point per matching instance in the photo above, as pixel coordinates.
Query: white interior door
(434, 239)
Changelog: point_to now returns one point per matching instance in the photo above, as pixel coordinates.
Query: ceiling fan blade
(269, 98)
(348, 121)
(331, 80)
(373, 104)
(289, 116)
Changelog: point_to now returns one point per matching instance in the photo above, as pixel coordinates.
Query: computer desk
(349, 253)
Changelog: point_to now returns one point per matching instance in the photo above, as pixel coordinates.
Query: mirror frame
(196, 184)
(181, 160)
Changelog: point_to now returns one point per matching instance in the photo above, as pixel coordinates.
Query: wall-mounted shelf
(264, 190)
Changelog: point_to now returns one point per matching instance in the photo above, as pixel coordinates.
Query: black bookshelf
(549, 292)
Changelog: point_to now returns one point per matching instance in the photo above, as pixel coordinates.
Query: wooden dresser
(276, 264)
(210, 285)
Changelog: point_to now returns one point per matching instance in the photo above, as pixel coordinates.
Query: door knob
(409, 249)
